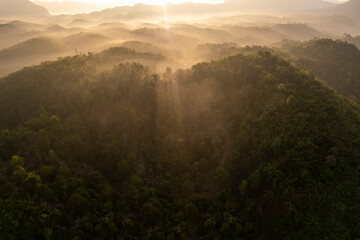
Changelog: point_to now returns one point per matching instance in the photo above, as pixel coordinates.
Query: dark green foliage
(248, 147)
(334, 62)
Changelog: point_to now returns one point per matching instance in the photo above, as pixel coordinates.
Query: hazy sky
(132, 2)
(85, 6)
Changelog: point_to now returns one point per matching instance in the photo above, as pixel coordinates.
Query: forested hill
(51, 83)
(335, 62)
(247, 147)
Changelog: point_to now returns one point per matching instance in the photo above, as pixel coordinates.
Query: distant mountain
(145, 11)
(29, 52)
(15, 32)
(69, 7)
(29, 26)
(350, 8)
(55, 28)
(280, 4)
(81, 40)
(297, 31)
(142, 11)
(31, 48)
(10, 8)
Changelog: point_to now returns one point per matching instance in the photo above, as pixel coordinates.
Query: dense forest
(245, 147)
(335, 62)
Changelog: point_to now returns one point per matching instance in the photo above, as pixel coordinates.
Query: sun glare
(166, 18)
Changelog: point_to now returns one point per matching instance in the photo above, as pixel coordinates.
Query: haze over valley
(40, 36)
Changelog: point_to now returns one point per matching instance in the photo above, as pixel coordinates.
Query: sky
(132, 2)
(158, 2)
(85, 6)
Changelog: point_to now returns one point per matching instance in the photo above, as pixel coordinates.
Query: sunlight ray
(166, 18)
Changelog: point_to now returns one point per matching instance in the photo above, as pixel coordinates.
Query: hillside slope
(335, 62)
(16, 8)
(29, 52)
(31, 48)
(244, 147)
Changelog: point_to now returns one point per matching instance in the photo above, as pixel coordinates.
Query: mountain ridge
(350, 9)
(19, 8)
